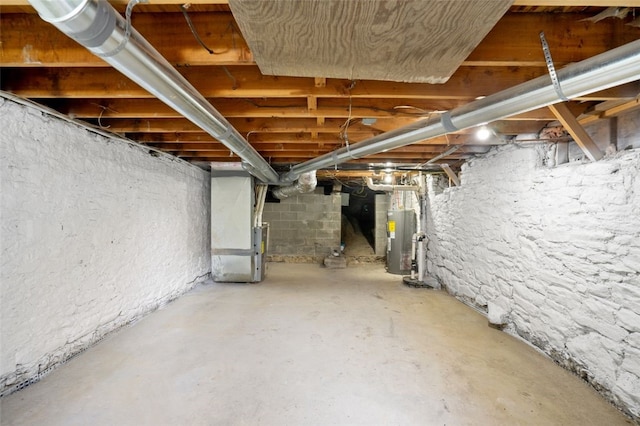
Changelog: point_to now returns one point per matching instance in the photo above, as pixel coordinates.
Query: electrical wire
(183, 8)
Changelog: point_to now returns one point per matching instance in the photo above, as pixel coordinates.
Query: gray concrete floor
(311, 346)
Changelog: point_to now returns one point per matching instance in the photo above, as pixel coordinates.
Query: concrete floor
(311, 346)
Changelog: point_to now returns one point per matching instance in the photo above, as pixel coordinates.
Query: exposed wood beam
(578, 133)
(304, 147)
(458, 139)
(454, 178)
(212, 82)
(607, 110)
(29, 41)
(515, 3)
(570, 38)
(299, 156)
(386, 111)
(245, 125)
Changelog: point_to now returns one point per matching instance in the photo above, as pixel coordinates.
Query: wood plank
(578, 133)
(530, 122)
(424, 41)
(570, 38)
(454, 178)
(603, 3)
(608, 110)
(245, 125)
(300, 156)
(28, 41)
(295, 147)
(213, 82)
(256, 108)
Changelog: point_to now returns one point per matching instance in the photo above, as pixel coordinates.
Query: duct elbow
(306, 183)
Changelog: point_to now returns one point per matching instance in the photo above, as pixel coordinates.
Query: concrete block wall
(380, 237)
(304, 227)
(96, 232)
(552, 252)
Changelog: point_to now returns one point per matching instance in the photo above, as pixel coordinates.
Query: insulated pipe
(389, 188)
(306, 183)
(609, 69)
(99, 27)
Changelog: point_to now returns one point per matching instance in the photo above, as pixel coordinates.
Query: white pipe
(389, 188)
(306, 183)
(414, 239)
(421, 258)
(609, 69)
(261, 197)
(99, 27)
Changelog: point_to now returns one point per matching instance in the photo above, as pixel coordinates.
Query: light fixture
(388, 178)
(483, 133)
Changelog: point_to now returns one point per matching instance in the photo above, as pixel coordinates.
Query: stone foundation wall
(96, 232)
(554, 253)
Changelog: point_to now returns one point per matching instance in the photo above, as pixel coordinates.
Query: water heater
(401, 225)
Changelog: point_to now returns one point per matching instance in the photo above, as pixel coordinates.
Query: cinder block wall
(557, 251)
(304, 227)
(95, 233)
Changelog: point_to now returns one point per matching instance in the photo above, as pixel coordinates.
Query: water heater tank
(401, 225)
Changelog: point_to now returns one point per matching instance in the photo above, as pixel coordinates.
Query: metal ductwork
(389, 188)
(609, 69)
(99, 27)
(305, 184)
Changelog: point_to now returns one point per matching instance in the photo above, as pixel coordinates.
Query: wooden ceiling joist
(29, 41)
(292, 119)
(212, 82)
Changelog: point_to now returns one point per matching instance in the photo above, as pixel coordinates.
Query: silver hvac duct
(609, 69)
(99, 27)
(305, 184)
(389, 188)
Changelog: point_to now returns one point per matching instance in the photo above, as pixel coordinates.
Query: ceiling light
(388, 178)
(483, 133)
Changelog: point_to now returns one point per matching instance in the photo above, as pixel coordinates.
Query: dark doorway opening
(358, 219)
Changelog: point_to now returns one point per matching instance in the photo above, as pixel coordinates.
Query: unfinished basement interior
(349, 212)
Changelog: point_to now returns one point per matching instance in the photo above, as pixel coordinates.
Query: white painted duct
(99, 27)
(389, 188)
(609, 69)
(306, 183)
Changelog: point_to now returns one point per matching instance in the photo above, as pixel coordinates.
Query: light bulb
(483, 133)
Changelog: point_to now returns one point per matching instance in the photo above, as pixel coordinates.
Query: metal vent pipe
(99, 27)
(389, 188)
(609, 69)
(305, 184)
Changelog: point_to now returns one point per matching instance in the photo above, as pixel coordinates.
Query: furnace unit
(239, 239)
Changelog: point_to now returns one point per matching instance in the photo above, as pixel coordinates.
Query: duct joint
(127, 30)
(306, 183)
(447, 124)
(389, 188)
